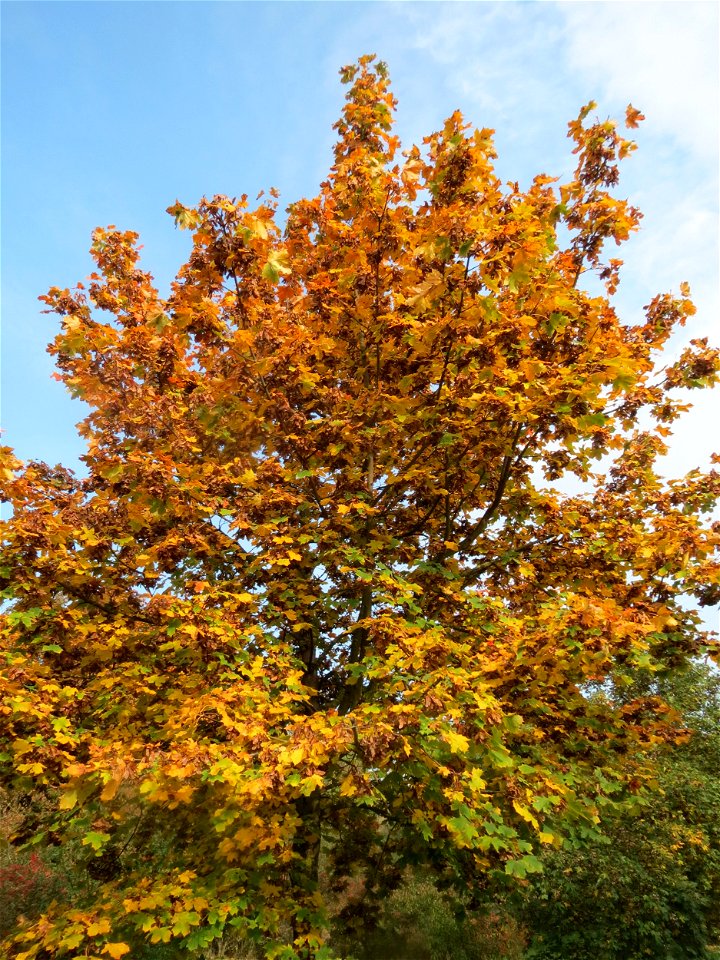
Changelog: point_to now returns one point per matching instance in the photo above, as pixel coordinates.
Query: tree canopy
(318, 593)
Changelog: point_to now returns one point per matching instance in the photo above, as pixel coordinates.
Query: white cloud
(662, 56)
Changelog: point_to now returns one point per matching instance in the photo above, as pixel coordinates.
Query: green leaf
(25, 617)
(512, 722)
(557, 321)
(463, 827)
(518, 278)
(270, 272)
(623, 381)
(160, 935)
(514, 868)
(592, 420)
(500, 759)
(185, 218)
(96, 840)
(520, 868)
(425, 830)
(443, 248)
(278, 264)
(184, 922)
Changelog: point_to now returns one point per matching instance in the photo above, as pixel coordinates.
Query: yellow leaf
(258, 228)
(68, 800)
(97, 927)
(109, 790)
(476, 781)
(458, 743)
(70, 942)
(347, 787)
(309, 784)
(160, 935)
(116, 950)
(525, 813)
(35, 768)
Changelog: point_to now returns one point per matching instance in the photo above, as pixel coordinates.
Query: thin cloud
(662, 55)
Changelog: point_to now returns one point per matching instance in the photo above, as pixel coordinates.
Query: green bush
(608, 903)
(419, 922)
(652, 890)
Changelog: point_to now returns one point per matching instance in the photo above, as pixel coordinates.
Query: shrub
(420, 922)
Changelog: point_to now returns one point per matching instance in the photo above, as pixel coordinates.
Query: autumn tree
(317, 584)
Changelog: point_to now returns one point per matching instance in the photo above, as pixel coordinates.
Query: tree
(317, 584)
(652, 887)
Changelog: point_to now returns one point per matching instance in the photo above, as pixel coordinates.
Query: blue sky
(112, 110)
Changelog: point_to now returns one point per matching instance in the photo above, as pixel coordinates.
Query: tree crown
(318, 578)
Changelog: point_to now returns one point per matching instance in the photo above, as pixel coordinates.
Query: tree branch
(477, 528)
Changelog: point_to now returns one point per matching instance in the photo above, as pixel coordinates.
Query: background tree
(652, 886)
(317, 582)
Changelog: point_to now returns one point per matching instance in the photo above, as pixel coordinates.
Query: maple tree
(318, 593)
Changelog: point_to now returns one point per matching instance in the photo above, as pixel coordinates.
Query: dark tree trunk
(305, 867)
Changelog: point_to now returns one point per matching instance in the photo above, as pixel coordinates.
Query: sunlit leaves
(116, 950)
(278, 264)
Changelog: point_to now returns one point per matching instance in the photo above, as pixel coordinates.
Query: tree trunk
(305, 867)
